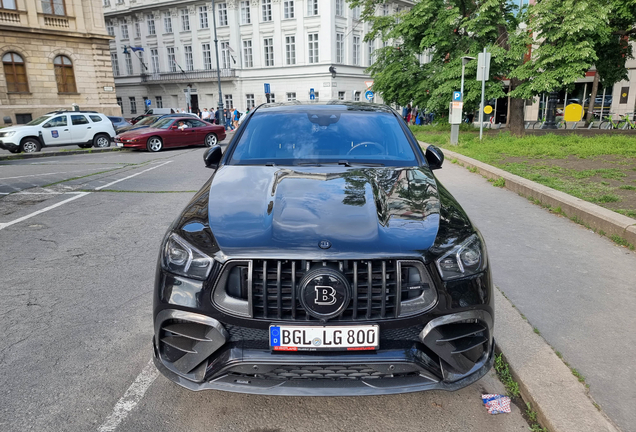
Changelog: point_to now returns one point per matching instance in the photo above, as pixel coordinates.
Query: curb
(560, 400)
(58, 153)
(596, 217)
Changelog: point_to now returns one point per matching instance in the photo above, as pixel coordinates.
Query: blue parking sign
(267, 88)
(148, 102)
(457, 96)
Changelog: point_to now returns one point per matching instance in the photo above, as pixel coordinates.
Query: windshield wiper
(369, 164)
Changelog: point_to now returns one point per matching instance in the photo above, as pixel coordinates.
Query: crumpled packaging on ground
(496, 404)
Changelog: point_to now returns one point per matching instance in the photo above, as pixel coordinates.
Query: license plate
(120, 144)
(318, 338)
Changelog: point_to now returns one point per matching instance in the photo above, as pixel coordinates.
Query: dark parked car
(149, 121)
(172, 132)
(323, 257)
(119, 123)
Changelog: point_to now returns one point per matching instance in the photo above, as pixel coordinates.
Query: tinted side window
(95, 118)
(79, 120)
(197, 123)
(56, 122)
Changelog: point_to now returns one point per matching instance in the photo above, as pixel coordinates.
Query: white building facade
(288, 44)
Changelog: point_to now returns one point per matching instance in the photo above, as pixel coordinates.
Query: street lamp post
(465, 60)
(218, 70)
(455, 127)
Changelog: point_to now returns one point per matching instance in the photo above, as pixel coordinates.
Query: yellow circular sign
(488, 109)
(624, 95)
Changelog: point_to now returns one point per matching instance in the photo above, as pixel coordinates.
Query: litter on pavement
(496, 404)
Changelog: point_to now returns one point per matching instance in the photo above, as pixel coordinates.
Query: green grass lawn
(600, 168)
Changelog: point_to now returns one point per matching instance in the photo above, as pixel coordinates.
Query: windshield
(323, 135)
(147, 121)
(38, 120)
(164, 123)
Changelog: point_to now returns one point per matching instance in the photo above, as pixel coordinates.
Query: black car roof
(295, 106)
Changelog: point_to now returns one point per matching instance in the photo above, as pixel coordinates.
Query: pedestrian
(217, 116)
(235, 118)
(414, 115)
(228, 118)
(205, 115)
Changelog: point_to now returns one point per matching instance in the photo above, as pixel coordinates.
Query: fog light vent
(461, 345)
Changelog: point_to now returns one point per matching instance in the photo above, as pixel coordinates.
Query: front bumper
(248, 366)
(8, 145)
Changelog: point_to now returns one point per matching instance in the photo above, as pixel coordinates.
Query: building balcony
(188, 76)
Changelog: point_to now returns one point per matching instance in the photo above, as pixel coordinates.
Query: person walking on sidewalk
(228, 118)
(235, 118)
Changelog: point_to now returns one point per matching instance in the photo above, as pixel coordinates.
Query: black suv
(321, 258)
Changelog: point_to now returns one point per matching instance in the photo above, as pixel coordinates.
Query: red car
(172, 132)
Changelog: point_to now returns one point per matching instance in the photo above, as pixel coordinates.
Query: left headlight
(180, 257)
(465, 259)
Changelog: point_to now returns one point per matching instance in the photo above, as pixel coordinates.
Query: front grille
(377, 288)
(331, 372)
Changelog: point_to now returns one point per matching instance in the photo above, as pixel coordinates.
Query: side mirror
(434, 157)
(212, 156)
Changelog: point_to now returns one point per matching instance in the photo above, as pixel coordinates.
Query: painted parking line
(131, 176)
(131, 398)
(51, 207)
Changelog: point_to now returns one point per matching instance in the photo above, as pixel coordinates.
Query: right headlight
(465, 259)
(180, 257)
(7, 134)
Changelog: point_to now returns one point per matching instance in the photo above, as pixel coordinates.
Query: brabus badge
(324, 244)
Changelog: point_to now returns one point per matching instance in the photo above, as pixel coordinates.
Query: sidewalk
(575, 287)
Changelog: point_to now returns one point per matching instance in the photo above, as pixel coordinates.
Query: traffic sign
(267, 89)
(368, 95)
(457, 96)
(148, 102)
(312, 94)
(483, 66)
(369, 84)
(488, 109)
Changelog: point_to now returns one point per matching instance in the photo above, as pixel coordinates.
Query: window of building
(341, 95)
(268, 45)
(316, 96)
(137, 29)
(245, 12)
(159, 101)
(290, 50)
(189, 60)
(124, 31)
(120, 103)
(172, 61)
(64, 75)
(267, 10)
(288, 9)
(229, 103)
(356, 96)
(150, 22)
(54, 7)
(203, 17)
(313, 47)
(356, 50)
(115, 63)
(110, 28)
(356, 12)
(154, 60)
(291, 96)
(78, 119)
(385, 9)
(23, 118)
(7, 4)
(249, 101)
(225, 55)
(222, 11)
(340, 47)
(272, 98)
(185, 20)
(371, 52)
(128, 62)
(340, 7)
(133, 105)
(15, 73)
(312, 7)
(247, 54)
(167, 22)
(207, 56)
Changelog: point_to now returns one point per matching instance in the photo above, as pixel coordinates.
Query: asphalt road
(574, 286)
(79, 239)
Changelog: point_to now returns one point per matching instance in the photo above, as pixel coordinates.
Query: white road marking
(131, 176)
(38, 175)
(131, 398)
(29, 216)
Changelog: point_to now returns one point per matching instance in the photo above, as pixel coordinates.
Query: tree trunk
(516, 108)
(590, 105)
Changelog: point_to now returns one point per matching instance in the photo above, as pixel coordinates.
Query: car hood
(129, 128)
(138, 132)
(280, 212)
(18, 128)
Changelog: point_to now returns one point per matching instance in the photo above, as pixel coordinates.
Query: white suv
(84, 128)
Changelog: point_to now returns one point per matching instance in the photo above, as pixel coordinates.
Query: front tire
(30, 145)
(14, 150)
(154, 144)
(84, 146)
(101, 141)
(210, 140)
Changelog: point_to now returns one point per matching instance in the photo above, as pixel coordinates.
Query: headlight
(463, 260)
(182, 258)
(7, 134)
